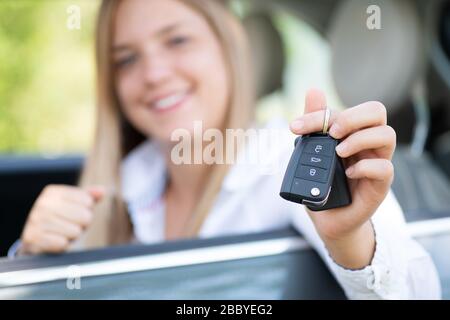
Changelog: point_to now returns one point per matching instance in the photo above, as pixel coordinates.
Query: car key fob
(315, 175)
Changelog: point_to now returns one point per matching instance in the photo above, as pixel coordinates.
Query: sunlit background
(47, 75)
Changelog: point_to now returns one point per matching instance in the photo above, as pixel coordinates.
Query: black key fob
(315, 175)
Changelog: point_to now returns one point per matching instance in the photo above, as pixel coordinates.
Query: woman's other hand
(59, 216)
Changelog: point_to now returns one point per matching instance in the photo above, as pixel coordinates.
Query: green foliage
(17, 38)
(46, 73)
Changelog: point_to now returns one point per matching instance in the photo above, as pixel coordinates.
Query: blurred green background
(47, 83)
(46, 76)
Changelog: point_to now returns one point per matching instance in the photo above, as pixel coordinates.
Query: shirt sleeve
(14, 249)
(400, 268)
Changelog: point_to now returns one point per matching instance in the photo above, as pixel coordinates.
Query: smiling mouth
(170, 102)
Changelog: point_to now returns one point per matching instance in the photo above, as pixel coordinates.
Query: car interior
(413, 46)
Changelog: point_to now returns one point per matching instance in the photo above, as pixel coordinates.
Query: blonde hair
(115, 137)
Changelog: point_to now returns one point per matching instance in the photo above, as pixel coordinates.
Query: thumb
(96, 192)
(315, 100)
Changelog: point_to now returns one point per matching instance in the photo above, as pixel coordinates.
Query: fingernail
(335, 131)
(98, 192)
(349, 171)
(297, 125)
(341, 148)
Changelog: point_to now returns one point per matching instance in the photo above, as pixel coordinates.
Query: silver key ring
(326, 121)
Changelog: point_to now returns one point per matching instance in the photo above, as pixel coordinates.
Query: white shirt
(249, 201)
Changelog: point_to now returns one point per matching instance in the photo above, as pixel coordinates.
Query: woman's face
(169, 68)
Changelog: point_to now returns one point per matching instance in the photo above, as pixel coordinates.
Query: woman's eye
(178, 41)
(126, 61)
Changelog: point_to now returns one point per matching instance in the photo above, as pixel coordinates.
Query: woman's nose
(156, 69)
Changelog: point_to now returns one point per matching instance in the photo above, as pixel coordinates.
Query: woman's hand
(59, 216)
(367, 145)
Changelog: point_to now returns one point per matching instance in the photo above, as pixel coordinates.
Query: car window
(308, 61)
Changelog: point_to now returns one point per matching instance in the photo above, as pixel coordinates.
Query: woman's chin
(171, 134)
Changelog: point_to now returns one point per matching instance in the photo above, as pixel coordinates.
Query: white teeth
(169, 101)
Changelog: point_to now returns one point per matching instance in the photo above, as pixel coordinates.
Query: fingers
(369, 114)
(36, 243)
(311, 122)
(87, 197)
(375, 169)
(69, 193)
(73, 213)
(59, 215)
(315, 100)
(315, 103)
(52, 243)
(63, 228)
(382, 139)
(365, 128)
(96, 192)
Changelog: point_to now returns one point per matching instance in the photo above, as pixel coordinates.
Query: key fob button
(315, 192)
(312, 174)
(315, 176)
(304, 187)
(315, 161)
(321, 148)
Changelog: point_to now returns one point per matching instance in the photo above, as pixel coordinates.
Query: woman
(162, 66)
